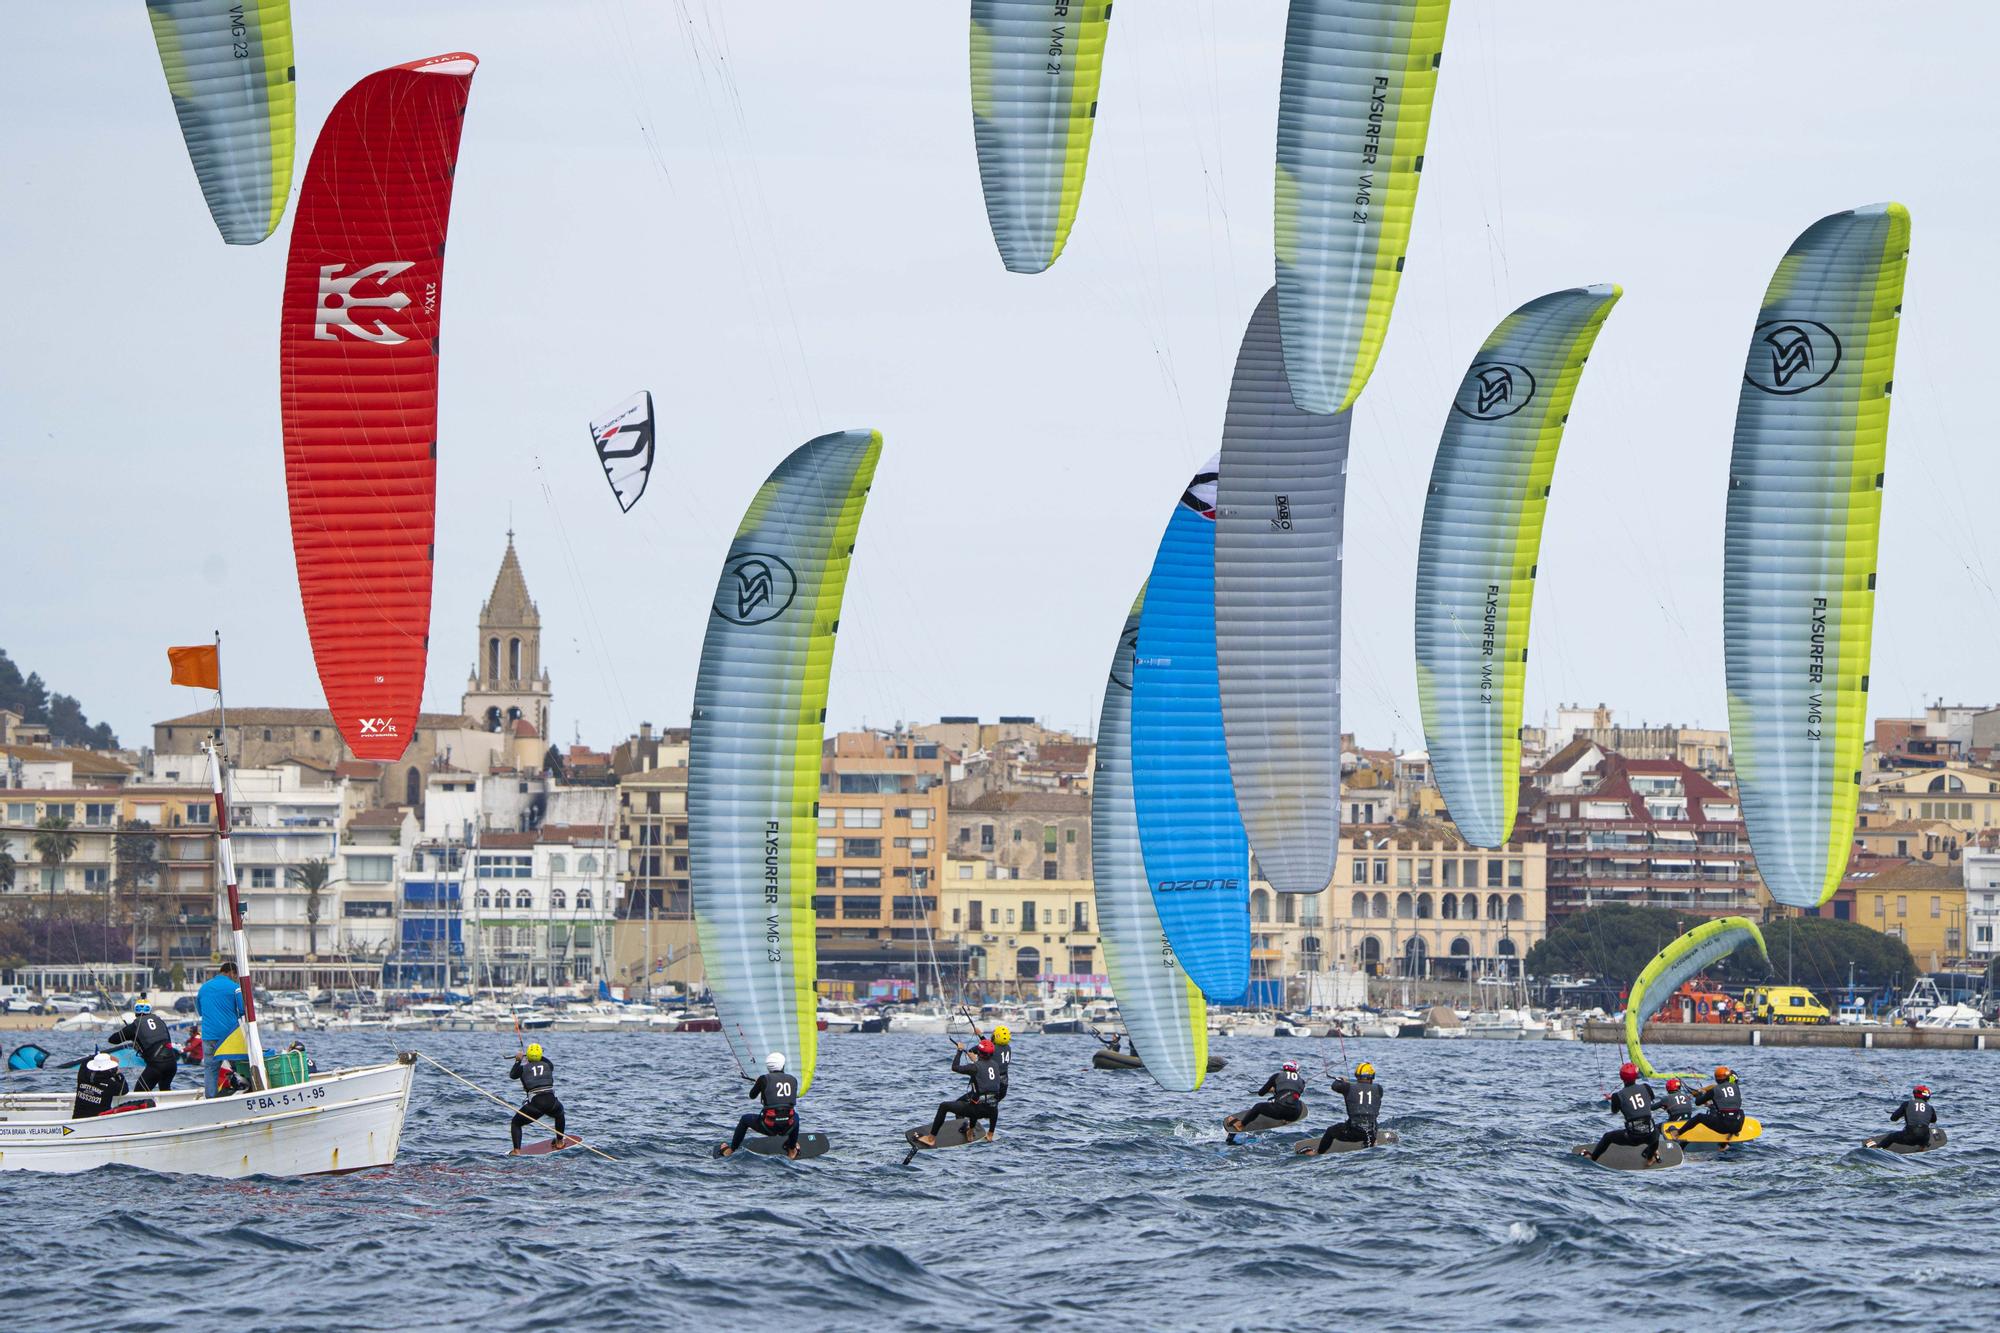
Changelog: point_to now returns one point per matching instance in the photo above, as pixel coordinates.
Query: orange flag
(200, 666)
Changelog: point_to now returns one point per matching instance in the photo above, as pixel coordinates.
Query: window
(1260, 907)
(1451, 874)
(352, 908)
(1402, 872)
(482, 899)
(1017, 835)
(263, 877)
(1469, 907)
(861, 816)
(52, 879)
(1049, 870)
(855, 906)
(1494, 907)
(1902, 905)
(504, 865)
(1880, 905)
(1424, 873)
(1406, 907)
(1049, 832)
(1937, 903)
(1010, 916)
(1381, 870)
(910, 907)
(583, 901)
(1360, 872)
(1027, 964)
(493, 659)
(1515, 874)
(866, 847)
(1517, 907)
(1028, 915)
(828, 816)
(96, 879)
(100, 813)
(513, 659)
(1492, 873)
(862, 878)
(1448, 907)
(20, 812)
(823, 904)
(824, 877)
(1359, 905)
(985, 837)
(827, 846)
(1379, 906)
(920, 817)
(1069, 836)
(1424, 907)
(371, 869)
(955, 914)
(919, 846)
(964, 870)
(558, 900)
(588, 865)
(558, 865)
(1083, 916)
(964, 833)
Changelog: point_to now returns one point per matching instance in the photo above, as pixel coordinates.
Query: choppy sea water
(1105, 1203)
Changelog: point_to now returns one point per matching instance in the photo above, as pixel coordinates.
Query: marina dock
(1865, 1036)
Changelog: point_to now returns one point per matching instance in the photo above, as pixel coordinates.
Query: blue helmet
(142, 1008)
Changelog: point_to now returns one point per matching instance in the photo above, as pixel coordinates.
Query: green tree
(315, 877)
(54, 844)
(1613, 942)
(7, 864)
(1815, 952)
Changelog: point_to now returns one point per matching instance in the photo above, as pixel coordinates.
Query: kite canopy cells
(229, 67)
(1197, 857)
(1035, 69)
(358, 377)
(1281, 500)
(1159, 1005)
(1481, 544)
(1799, 542)
(1678, 962)
(754, 746)
(1354, 110)
(624, 444)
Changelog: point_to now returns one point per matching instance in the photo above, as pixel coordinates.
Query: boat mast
(226, 863)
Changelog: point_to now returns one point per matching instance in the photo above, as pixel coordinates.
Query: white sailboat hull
(347, 1120)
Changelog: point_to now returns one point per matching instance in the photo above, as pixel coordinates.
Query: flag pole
(226, 861)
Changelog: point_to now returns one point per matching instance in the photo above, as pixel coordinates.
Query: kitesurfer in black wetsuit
(537, 1076)
(1364, 1107)
(1634, 1102)
(1678, 1103)
(982, 1098)
(154, 1040)
(780, 1115)
(1724, 1100)
(99, 1083)
(1919, 1119)
(1286, 1089)
(1003, 1051)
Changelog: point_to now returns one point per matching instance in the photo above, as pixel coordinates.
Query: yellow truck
(1785, 1004)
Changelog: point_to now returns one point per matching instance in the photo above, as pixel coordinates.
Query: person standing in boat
(536, 1074)
(1287, 1091)
(1364, 1108)
(780, 1115)
(149, 1034)
(1634, 1103)
(99, 1084)
(1678, 1103)
(220, 1000)
(982, 1098)
(1919, 1119)
(1724, 1100)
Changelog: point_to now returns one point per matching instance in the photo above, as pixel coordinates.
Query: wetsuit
(1725, 1108)
(1677, 1105)
(154, 1040)
(982, 1099)
(96, 1090)
(1287, 1091)
(1364, 1104)
(1635, 1103)
(538, 1080)
(1005, 1055)
(780, 1115)
(1918, 1118)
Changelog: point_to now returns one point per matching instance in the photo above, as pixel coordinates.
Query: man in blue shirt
(220, 1000)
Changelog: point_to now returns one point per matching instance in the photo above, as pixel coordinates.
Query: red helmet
(1629, 1072)
(985, 1046)
(1673, 1085)
(1920, 1092)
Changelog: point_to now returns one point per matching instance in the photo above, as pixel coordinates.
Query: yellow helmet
(1002, 1035)
(1364, 1070)
(534, 1050)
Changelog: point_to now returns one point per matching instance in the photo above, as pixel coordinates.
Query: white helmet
(774, 1061)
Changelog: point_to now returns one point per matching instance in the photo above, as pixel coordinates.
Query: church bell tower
(508, 685)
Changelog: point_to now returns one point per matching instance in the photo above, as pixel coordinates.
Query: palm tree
(55, 844)
(315, 877)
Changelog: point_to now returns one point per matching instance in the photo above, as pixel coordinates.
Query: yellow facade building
(1016, 936)
(1922, 904)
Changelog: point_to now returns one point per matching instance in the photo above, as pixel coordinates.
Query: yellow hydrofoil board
(1679, 1132)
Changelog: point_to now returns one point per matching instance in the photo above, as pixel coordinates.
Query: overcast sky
(775, 223)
